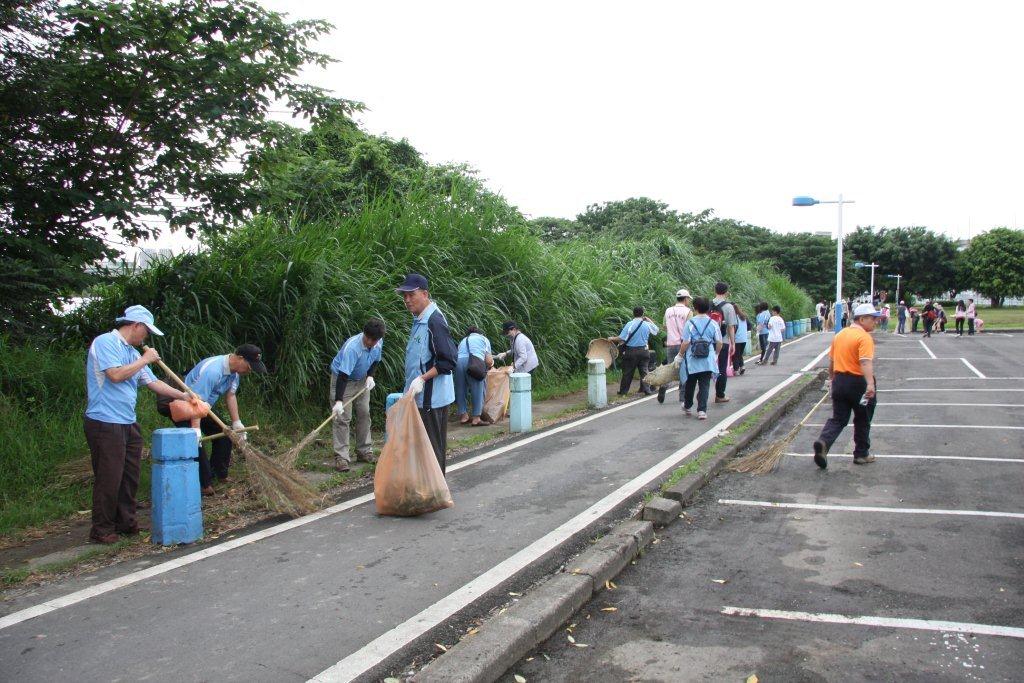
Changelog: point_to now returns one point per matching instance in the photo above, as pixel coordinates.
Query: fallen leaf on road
(610, 585)
(857, 564)
(440, 647)
(752, 678)
(545, 656)
(519, 679)
(656, 541)
(572, 640)
(609, 609)
(722, 581)
(472, 631)
(529, 659)
(392, 680)
(360, 567)
(575, 571)
(515, 595)
(581, 645)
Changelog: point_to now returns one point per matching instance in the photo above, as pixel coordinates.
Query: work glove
(370, 384)
(677, 362)
(416, 386)
(338, 409)
(502, 355)
(235, 426)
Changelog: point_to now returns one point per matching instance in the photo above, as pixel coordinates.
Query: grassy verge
(1006, 317)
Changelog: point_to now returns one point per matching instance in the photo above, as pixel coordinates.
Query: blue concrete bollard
(789, 330)
(521, 403)
(177, 504)
(388, 402)
(597, 384)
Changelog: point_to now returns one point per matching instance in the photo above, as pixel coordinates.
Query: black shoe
(820, 454)
(661, 393)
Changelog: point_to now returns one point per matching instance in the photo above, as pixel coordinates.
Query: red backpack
(716, 314)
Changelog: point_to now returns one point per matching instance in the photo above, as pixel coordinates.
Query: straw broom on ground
(280, 487)
(768, 458)
(292, 454)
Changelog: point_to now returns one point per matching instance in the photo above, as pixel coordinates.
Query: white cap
(682, 292)
(865, 309)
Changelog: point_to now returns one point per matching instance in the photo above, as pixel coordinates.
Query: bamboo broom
(281, 489)
(292, 454)
(768, 458)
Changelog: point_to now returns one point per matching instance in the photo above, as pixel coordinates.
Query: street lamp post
(898, 278)
(872, 266)
(810, 201)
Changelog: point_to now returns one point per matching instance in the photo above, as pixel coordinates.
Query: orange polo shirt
(849, 347)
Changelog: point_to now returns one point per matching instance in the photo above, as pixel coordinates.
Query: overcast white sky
(913, 109)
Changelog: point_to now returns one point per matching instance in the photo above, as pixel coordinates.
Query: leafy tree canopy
(927, 260)
(122, 117)
(993, 264)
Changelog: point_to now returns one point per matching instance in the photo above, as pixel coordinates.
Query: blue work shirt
(642, 335)
(211, 378)
(700, 327)
(112, 401)
(354, 359)
(762, 321)
(474, 345)
(430, 345)
(742, 333)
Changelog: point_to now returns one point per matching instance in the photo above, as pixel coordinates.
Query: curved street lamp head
(804, 201)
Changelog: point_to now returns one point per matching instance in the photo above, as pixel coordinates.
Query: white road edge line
(75, 597)
(973, 369)
(918, 457)
(886, 622)
(946, 389)
(901, 426)
(926, 348)
(946, 379)
(384, 645)
(872, 508)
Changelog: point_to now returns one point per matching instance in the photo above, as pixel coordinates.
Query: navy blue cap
(413, 281)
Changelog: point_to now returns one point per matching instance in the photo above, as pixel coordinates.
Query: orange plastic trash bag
(192, 409)
(496, 393)
(408, 481)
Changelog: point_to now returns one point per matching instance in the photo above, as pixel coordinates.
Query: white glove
(370, 384)
(338, 409)
(235, 426)
(502, 355)
(677, 362)
(199, 434)
(416, 386)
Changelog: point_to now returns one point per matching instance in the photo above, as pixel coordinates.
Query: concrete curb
(685, 490)
(506, 638)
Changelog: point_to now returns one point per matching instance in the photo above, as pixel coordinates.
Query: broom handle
(346, 404)
(254, 428)
(187, 390)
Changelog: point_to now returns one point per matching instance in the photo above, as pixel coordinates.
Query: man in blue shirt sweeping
(114, 370)
(430, 359)
(210, 379)
(351, 372)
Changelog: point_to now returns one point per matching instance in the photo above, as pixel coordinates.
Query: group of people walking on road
(706, 339)
(932, 315)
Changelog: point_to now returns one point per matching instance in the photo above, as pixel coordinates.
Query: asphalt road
(350, 587)
(935, 562)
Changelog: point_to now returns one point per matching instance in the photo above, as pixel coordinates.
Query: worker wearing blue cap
(114, 369)
(430, 359)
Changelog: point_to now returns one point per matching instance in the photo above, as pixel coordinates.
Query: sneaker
(722, 399)
(368, 458)
(687, 411)
(701, 415)
(341, 465)
(863, 459)
(661, 393)
(820, 454)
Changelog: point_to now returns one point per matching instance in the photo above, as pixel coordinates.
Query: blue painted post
(521, 403)
(177, 506)
(789, 330)
(597, 384)
(388, 402)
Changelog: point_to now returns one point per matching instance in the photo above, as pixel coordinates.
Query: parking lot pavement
(911, 568)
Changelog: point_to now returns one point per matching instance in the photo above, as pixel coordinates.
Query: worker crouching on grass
(113, 372)
(430, 359)
(852, 376)
(210, 379)
(352, 372)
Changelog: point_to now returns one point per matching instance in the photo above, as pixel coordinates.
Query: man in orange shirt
(852, 375)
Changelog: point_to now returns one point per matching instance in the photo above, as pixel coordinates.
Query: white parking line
(926, 348)
(946, 389)
(946, 379)
(902, 426)
(885, 622)
(872, 508)
(965, 405)
(918, 457)
(973, 369)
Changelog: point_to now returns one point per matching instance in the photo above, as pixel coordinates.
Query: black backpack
(700, 347)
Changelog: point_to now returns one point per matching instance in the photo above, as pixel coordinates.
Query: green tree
(926, 259)
(118, 118)
(993, 264)
(631, 217)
